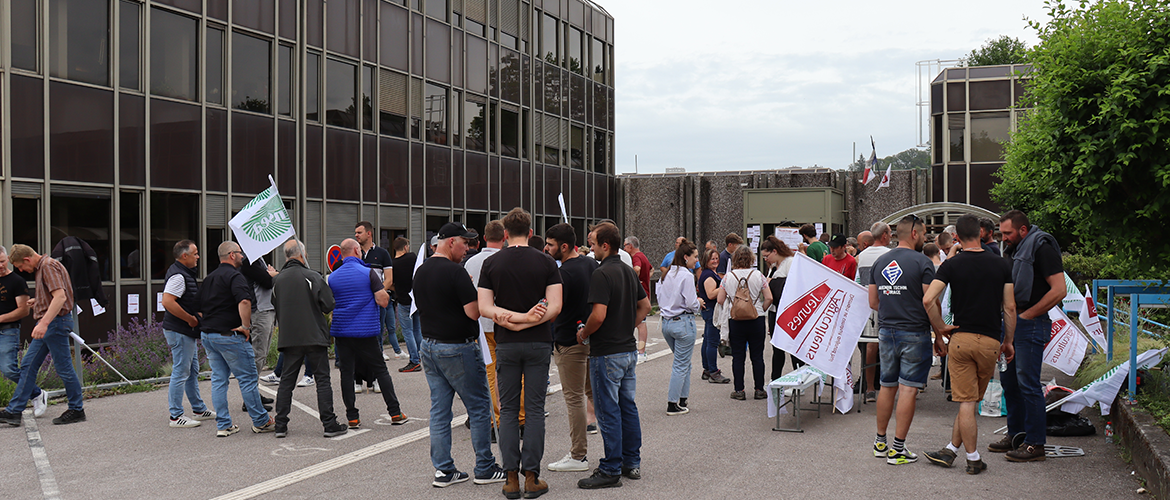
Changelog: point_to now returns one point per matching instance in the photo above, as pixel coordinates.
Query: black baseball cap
(452, 229)
(838, 240)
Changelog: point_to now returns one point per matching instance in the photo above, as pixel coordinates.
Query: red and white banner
(820, 316)
(1092, 322)
(1066, 347)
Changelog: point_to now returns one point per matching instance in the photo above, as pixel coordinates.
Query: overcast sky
(754, 84)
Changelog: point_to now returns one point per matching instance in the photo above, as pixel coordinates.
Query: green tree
(1002, 50)
(909, 159)
(1093, 157)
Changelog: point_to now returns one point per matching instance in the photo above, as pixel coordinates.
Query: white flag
(564, 213)
(820, 316)
(418, 260)
(871, 165)
(1104, 389)
(1073, 300)
(1066, 347)
(263, 224)
(886, 178)
(1092, 322)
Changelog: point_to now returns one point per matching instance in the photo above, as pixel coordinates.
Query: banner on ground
(263, 224)
(1066, 347)
(820, 316)
(1104, 390)
(1073, 300)
(1092, 322)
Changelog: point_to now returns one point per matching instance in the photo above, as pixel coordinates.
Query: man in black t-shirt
(401, 281)
(13, 308)
(572, 357)
(619, 303)
(514, 286)
(981, 284)
(448, 308)
(379, 260)
(1038, 275)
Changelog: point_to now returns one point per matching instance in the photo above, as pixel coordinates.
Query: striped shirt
(51, 275)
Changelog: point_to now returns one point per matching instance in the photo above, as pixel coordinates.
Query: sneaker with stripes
(183, 421)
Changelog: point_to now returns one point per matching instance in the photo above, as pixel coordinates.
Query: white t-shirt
(624, 255)
(175, 286)
(865, 261)
(755, 283)
(474, 266)
(780, 271)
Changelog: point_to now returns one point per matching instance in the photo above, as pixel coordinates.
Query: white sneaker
(567, 464)
(40, 404)
(307, 381)
(385, 357)
(358, 389)
(377, 388)
(206, 415)
(270, 379)
(402, 355)
(182, 421)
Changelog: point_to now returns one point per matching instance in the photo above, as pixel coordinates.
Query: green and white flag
(263, 224)
(1073, 300)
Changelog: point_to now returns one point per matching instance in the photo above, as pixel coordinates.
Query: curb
(1149, 446)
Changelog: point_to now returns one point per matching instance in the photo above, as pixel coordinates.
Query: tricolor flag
(1092, 322)
(1104, 389)
(1066, 347)
(868, 176)
(263, 224)
(886, 178)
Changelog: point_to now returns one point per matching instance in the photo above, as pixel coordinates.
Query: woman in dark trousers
(777, 261)
(746, 335)
(708, 288)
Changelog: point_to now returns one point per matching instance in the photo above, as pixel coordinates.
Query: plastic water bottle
(581, 326)
(1001, 364)
(1108, 432)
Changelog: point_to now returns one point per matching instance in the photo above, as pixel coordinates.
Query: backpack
(743, 305)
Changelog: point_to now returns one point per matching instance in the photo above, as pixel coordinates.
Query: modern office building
(133, 124)
(972, 112)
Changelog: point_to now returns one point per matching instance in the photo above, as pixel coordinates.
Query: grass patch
(124, 389)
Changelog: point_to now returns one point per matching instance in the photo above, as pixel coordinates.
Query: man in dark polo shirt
(225, 299)
(448, 309)
(512, 285)
(379, 260)
(619, 303)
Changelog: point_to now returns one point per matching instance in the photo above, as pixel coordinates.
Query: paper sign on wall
(98, 310)
(158, 302)
(820, 228)
(132, 303)
(790, 236)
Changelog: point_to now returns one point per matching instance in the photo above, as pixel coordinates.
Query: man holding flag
(981, 283)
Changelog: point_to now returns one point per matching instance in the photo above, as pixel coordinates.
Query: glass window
(510, 75)
(314, 13)
(87, 218)
(957, 128)
(438, 175)
(394, 168)
(456, 124)
(173, 43)
(370, 30)
(957, 96)
(342, 150)
(128, 46)
(435, 113)
(957, 183)
(342, 33)
(288, 19)
(457, 55)
(132, 140)
(214, 86)
(25, 228)
(367, 98)
(474, 125)
(27, 127)
(312, 87)
(936, 98)
(173, 217)
(438, 41)
(599, 152)
(492, 111)
(251, 67)
(995, 94)
(552, 89)
(340, 92)
(217, 149)
(255, 14)
(989, 132)
(284, 68)
(130, 258)
(252, 153)
(176, 149)
(79, 40)
(598, 60)
(548, 41)
(81, 133)
(510, 133)
(437, 9)
(395, 22)
(936, 143)
(26, 34)
(576, 59)
(577, 147)
(477, 72)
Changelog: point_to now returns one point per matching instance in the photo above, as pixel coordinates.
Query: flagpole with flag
(263, 224)
(867, 176)
(886, 178)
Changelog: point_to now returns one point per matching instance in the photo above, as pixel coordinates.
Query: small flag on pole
(870, 166)
(886, 178)
(263, 224)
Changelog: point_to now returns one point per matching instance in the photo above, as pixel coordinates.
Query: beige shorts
(971, 360)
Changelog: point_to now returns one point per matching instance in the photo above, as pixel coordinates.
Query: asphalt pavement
(723, 447)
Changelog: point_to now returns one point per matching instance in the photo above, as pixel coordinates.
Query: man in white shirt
(880, 233)
(493, 235)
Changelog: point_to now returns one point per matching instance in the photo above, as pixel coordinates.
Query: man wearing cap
(448, 308)
(356, 327)
(838, 259)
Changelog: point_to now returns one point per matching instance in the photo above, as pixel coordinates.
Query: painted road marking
(40, 458)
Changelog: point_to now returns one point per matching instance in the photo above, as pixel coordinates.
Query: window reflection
(576, 61)
(577, 147)
(474, 124)
(598, 60)
(251, 80)
(87, 218)
(435, 113)
(25, 36)
(312, 87)
(957, 128)
(989, 132)
(548, 40)
(130, 235)
(214, 87)
(285, 91)
(25, 228)
(128, 15)
(173, 56)
(340, 94)
(367, 98)
(599, 152)
(509, 133)
(79, 40)
(173, 217)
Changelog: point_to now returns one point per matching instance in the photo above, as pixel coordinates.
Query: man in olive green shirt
(813, 247)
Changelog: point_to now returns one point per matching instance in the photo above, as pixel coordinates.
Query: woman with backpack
(778, 260)
(746, 294)
(678, 303)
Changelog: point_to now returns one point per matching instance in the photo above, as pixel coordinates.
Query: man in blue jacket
(356, 328)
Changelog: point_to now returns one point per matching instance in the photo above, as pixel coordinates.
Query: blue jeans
(458, 369)
(184, 374)
(679, 334)
(55, 342)
(614, 386)
(710, 349)
(9, 345)
(411, 331)
(905, 357)
(232, 354)
(1022, 388)
(389, 321)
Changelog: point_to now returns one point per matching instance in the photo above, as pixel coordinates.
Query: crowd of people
(537, 300)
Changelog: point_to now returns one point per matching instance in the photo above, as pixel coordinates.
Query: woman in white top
(677, 304)
(746, 336)
(777, 260)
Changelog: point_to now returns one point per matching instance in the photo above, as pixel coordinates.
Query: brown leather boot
(512, 484)
(533, 485)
